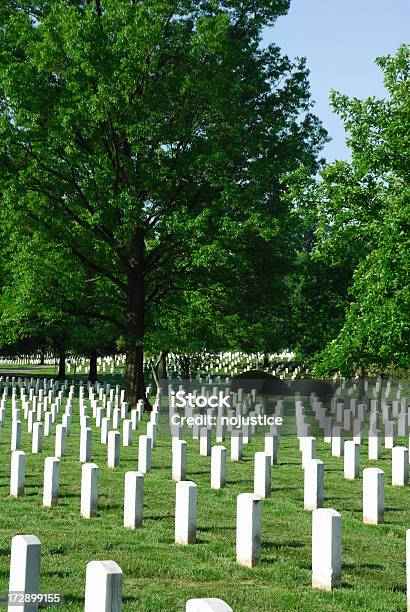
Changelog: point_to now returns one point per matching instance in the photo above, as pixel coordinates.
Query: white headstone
(236, 445)
(308, 450)
(85, 444)
(389, 434)
(48, 423)
(351, 460)
(314, 484)
(89, 490)
(357, 431)
(105, 429)
(204, 442)
(103, 587)
(144, 454)
(116, 418)
(51, 481)
(15, 435)
(271, 448)
(61, 438)
(134, 418)
(248, 529)
(37, 441)
(113, 451)
(220, 431)
(211, 604)
(400, 466)
(18, 470)
(262, 484)
(127, 432)
(337, 441)
(218, 467)
(185, 512)
(179, 459)
(30, 420)
(326, 549)
(375, 445)
(373, 496)
(152, 433)
(25, 570)
(133, 499)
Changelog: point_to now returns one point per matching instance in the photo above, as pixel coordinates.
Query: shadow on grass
(69, 496)
(158, 517)
(398, 589)
(131, 600)
(74, 598)
(238, 481)
(386, 510)
(333, 470)
(359, 566)
(216, 528)
(57, 574)
(110, 506)
(280, 545)
(61, 550)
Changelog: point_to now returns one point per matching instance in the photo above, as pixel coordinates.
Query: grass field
(159, 575)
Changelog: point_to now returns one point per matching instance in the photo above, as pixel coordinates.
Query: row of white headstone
(326, 523)
(232, 363)
(103, 582)
(103, 589)
(313, 473)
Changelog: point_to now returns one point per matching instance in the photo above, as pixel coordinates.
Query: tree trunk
(155, 375)
(362, 376)
(135, 317)
(159, 368)
(61, 364)
(134, 375)
(185, 370)
(92, 374)
(162, 367)
(265, 360)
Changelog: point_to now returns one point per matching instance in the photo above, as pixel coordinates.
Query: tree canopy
(149, 139)
(361, 233)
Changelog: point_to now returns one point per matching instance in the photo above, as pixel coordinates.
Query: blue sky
(341, 39)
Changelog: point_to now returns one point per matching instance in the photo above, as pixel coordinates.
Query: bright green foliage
(42, 290)
(364, 223)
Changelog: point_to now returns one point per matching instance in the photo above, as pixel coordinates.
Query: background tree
(363, 223)
(42, 289)
(328, 253)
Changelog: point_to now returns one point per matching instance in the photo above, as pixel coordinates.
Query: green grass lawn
(159, 575)
(51, 371)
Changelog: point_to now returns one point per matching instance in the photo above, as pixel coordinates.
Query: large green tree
(364, 221)
(149, 138)
(42, 289)
(330, 246)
